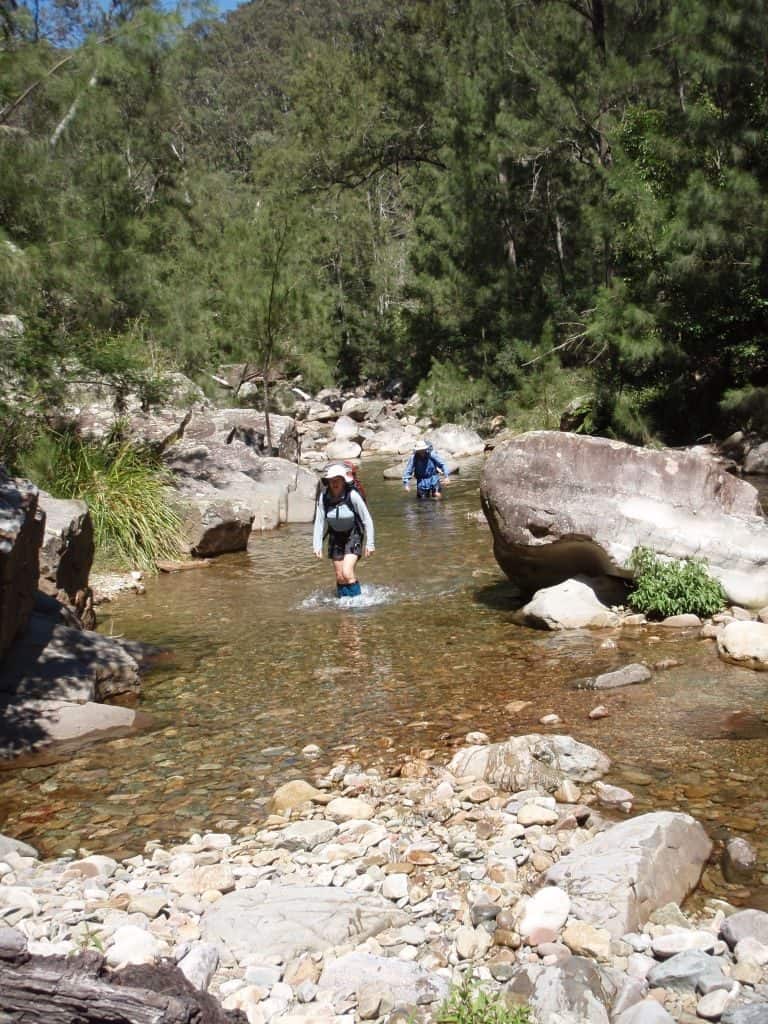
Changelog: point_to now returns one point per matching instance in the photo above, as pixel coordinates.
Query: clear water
(262, 660)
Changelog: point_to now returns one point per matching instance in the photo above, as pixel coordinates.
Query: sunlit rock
(561, 505)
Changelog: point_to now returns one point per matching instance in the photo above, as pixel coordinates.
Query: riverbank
(363, 897)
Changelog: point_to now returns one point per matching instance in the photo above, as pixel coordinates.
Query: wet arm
(319, 527)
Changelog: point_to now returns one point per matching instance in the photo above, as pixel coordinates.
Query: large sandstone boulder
(529, 762)
(391, 441)
(617, 879)
(215, 526)
(451, 439)
(21, 533)
(222, 426)
(562, 505)
(67, 552)
(273, 490)
(287, 920)
(53, 660)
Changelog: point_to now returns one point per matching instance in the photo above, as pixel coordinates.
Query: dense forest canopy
(514, 203)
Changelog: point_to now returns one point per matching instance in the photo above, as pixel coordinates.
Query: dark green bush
(673, 588)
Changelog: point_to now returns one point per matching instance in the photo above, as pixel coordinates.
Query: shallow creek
(261, 660)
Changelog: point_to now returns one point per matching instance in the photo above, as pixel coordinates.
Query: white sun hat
(421, 446)
(337, 469)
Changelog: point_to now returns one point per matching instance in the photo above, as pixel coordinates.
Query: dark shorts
(341, 544)
(428, 487)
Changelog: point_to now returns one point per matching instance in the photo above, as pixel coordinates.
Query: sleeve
(408, 471)
(362, 510)
(439, 463)
(319, 528)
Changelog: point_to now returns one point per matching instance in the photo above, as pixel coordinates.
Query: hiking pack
(353, 484)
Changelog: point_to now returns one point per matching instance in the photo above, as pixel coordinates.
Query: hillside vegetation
(516, 205)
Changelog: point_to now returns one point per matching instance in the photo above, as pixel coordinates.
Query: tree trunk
(63, 989)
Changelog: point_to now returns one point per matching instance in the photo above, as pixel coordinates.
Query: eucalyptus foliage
(527, 202)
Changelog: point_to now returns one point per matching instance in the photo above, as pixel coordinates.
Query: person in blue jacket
(343, 513)
(427, 466)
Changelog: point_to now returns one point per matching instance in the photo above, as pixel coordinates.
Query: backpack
(355, 482)
(352, 485)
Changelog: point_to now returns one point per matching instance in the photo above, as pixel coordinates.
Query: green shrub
(673, 588)
(126, 489)
(469, 1003)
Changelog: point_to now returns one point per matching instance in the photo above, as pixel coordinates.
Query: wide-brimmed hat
(421, 446)
(337, 469)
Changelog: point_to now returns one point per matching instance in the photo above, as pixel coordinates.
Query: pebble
(453, 857)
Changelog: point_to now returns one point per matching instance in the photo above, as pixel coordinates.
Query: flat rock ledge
(369, 898)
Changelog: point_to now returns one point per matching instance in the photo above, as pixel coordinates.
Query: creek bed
(262, 660)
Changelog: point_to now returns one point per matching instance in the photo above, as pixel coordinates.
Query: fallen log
(82, 989)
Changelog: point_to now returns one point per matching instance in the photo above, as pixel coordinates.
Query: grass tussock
(127, 492)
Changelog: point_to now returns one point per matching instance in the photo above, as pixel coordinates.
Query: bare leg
(347, 569)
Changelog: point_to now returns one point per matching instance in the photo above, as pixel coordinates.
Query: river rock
(133, 945)
(285, 920)
(11, 845)
(294, 794)
(345, 429)
(528, 762)
(66, 554)
(739, 860)
(199, 964)
(754, 1013)
(561, 505)
(687, 971)
(744, 643)
(403, 981)
(648, 1011)
(213, 526)
(27, 725)
(393, 441)
(544, 915)
(568, 605)
(618, 878)
(345, 808)
(627, 675)
(358, 409)
(21, 534)
(745, 924)
(454, 440)
(249, 427)
(51, 661)
(574, 991)
(339, 450)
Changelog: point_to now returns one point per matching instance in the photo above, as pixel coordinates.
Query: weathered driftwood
(81, 988)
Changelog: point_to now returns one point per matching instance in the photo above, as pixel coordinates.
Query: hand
(406, 487)
(369, 552)
(318, 554)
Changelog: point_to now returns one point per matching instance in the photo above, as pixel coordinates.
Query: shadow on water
(502, 596)
(265, 661)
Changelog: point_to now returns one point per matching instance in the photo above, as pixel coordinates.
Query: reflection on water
(263, 660)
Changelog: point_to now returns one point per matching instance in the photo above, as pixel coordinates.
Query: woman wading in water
(342, 511)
